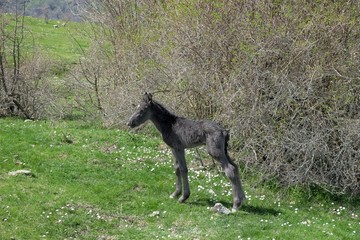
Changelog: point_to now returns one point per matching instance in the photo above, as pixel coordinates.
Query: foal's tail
(227, 138)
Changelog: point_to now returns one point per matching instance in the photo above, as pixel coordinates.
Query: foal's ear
(147, 97)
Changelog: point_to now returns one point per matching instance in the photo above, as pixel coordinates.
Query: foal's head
(143, 111)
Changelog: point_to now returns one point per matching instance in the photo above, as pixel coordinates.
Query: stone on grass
(21, 172)
(219, 208)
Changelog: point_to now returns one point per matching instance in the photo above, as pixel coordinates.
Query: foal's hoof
(235, 208)
(182, 199)
(237, 204)
(175, 194)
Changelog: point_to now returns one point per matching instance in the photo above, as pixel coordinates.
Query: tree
(23, 91)
(13, 39)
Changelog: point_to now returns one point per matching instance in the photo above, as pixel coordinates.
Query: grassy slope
(63, 43)
(105, 184)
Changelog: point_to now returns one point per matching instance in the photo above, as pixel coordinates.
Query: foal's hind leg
(181, 175)
(232, 172)
(216, 148)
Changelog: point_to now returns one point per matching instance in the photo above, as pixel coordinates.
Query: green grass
(64, 43)
(95, 183)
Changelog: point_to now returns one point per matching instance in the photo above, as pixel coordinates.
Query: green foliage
(94, 183)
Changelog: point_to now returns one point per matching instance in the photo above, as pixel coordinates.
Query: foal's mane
(163, 114)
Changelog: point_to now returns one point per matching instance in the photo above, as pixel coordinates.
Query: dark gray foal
(180, 133)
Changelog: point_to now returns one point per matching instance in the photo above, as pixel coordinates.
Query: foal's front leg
(178, 187)
(181, 172)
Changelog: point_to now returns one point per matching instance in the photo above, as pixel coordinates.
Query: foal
(180, 133)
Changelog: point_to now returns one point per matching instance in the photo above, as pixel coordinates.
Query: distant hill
(47, 9)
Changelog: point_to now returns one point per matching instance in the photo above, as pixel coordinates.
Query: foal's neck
(162, 118)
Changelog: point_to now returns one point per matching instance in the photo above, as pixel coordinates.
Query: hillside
(58, 39)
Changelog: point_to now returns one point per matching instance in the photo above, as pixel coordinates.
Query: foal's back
(191, 133)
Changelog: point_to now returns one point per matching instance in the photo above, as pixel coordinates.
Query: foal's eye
(136, 106)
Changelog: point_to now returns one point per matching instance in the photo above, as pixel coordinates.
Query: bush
(283, 76)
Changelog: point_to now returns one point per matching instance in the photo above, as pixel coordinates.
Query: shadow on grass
(259, 210)
(245, 208)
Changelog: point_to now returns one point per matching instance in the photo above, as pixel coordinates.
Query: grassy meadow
(88, 182)
(64, 42)
(59, 40)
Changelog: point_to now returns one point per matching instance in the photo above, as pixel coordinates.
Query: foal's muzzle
(131, 124)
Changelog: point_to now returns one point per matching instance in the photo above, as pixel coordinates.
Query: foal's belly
(187, 141)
